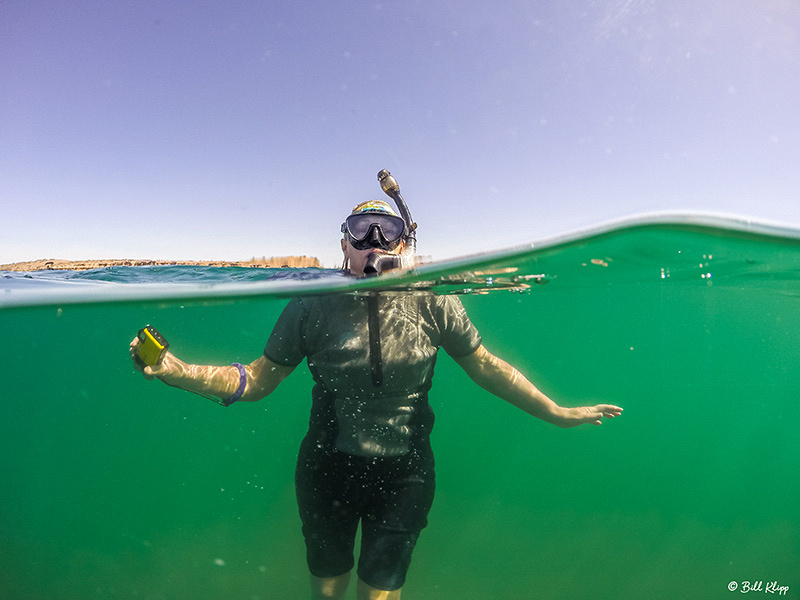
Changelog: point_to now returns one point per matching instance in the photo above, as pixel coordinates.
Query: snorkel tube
(378, 263)
(392, 189)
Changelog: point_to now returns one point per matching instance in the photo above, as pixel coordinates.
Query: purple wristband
(242, 384)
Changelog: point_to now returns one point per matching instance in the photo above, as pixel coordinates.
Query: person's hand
(589, 414)
(168, 365)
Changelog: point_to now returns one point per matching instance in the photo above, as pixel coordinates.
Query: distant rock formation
(53, 264)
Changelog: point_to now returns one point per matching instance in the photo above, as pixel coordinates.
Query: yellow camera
(152, 347)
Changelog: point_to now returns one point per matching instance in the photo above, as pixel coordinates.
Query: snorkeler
(367, 457)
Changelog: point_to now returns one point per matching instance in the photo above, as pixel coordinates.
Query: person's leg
(396, 515)
(367, 592)
(329, 588)
(329, 518)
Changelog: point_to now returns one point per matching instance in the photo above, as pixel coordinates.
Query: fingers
(132, 354)
(146, 371)
(608, 411)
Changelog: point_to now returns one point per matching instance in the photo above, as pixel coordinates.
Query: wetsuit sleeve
(459, 336)
(285, 345)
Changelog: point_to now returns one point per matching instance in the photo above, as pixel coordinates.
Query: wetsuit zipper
(375, 357)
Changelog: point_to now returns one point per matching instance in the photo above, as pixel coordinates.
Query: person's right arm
(263, 376)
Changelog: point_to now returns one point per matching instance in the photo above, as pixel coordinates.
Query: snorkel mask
(373, 224)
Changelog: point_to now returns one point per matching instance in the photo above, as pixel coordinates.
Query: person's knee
(367, 592)
(329, 588)
(385, 558)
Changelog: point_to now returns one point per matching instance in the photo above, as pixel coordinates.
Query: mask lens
(391, 227)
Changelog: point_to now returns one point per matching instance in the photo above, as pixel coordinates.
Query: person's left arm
(504, 381)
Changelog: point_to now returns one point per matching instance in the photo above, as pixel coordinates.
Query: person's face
(357, 259)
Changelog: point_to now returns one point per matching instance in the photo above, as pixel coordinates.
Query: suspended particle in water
(219, 562)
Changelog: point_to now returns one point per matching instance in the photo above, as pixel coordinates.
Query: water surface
(115, 487)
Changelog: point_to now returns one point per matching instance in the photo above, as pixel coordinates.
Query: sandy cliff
(85, 265)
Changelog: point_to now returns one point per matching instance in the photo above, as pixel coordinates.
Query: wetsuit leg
(396, 514)
(328, 511)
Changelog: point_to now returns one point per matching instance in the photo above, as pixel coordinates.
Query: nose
(375, 237)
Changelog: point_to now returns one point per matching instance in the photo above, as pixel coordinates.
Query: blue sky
(226, 130)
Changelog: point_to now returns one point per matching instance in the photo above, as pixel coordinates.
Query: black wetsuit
(367, 454)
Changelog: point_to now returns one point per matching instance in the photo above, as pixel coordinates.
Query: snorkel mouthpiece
(378, 263)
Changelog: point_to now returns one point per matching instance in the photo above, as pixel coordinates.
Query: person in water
(367, 457)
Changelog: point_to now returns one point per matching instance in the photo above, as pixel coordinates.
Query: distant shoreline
(54, 264)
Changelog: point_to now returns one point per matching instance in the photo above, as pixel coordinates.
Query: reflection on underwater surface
(115, 488)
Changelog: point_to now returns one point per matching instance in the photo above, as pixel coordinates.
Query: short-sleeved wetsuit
(367, 453)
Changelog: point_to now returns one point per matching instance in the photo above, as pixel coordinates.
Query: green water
(115, 487)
